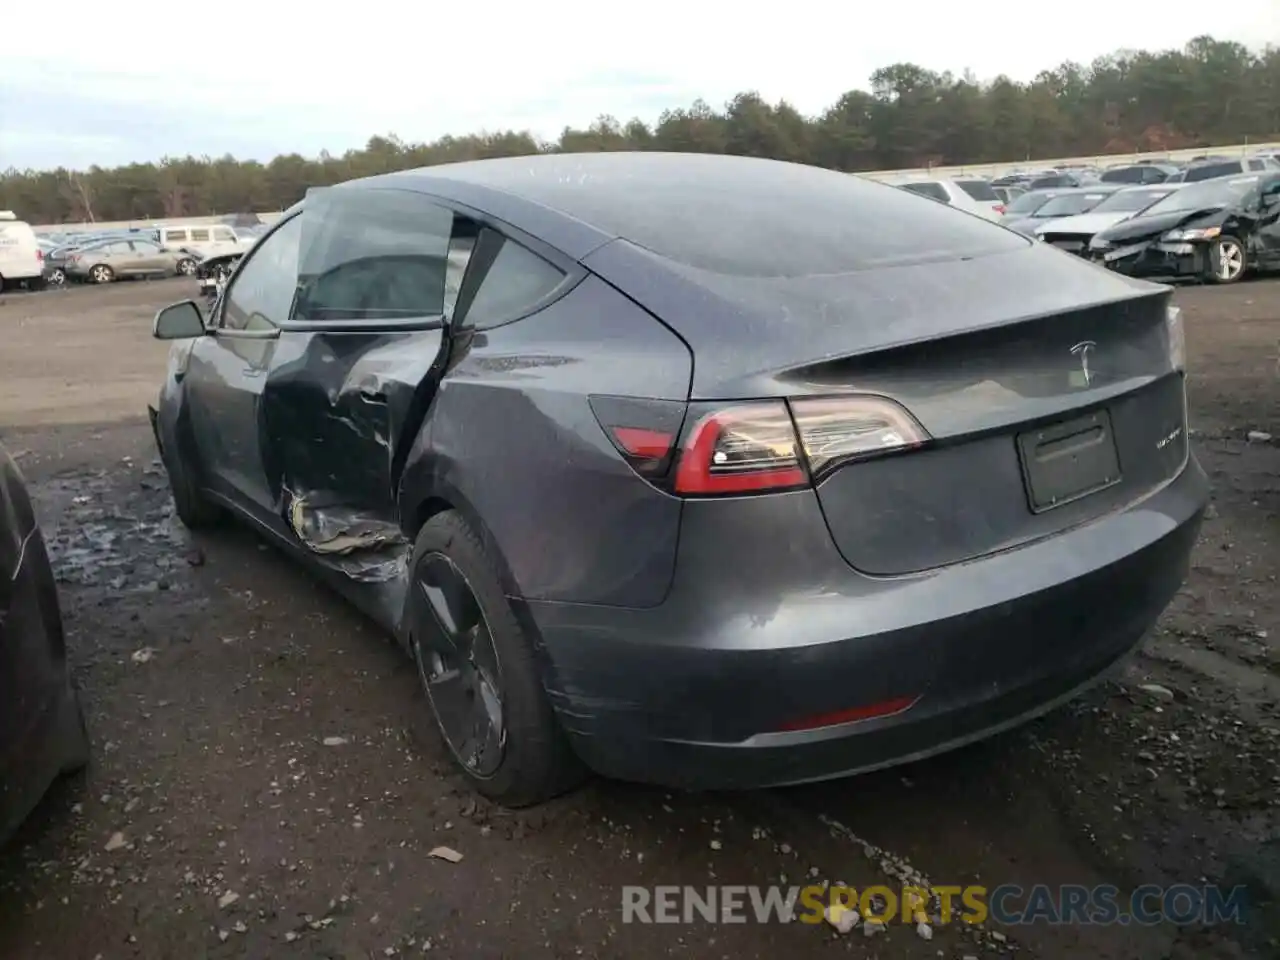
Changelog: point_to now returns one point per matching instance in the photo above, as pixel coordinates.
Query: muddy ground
(216, 822)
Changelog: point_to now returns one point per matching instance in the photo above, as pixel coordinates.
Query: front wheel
(102, 274)
(186, 267)
(1228, 260)
(478, 669)
(189, 503)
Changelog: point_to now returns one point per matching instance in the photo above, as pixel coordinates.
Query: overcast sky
(253, 78)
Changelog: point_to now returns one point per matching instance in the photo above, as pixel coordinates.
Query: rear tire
(186, 267)
(102, 274)
(534, 761)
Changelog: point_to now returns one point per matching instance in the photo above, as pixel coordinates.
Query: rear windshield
(930, 189)
(1131, 201)
(978, 190)
(1029, 203)
(840, 224)
(1211, 170)
(1206, 196)
(1124, 175)
(1069, 204)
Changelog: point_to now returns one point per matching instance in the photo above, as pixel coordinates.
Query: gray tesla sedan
(700, 470)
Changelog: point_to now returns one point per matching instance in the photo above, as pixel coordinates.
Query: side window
(175, 236)
(262, 293)
(145, 247)
(1257, 165)
(222, 234)
(120, 246)
(514, 283)
(199, 236)
(376, 254)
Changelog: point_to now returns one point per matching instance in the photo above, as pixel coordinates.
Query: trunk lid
(1046, 385)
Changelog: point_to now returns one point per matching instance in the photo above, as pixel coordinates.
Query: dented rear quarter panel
(511, 442)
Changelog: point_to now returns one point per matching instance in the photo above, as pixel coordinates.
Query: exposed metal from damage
(362, 547)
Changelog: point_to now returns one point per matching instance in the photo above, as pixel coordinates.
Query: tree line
(1209, 93)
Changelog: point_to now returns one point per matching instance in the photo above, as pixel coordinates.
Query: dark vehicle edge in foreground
(42, 732)
(855, 605)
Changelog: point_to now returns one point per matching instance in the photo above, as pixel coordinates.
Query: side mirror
(179, 321)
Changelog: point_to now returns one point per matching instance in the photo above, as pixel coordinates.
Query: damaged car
(1216, 231)
(1072, 234)
(42, 729)
(668, 467)
(213, 272)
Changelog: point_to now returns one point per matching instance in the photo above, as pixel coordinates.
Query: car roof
(579, 202)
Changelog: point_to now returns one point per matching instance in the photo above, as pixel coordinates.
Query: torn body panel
(338, 412)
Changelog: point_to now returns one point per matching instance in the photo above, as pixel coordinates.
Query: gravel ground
(267, 783)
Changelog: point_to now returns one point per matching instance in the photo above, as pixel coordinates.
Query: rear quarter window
(516, 281)
(979, 190)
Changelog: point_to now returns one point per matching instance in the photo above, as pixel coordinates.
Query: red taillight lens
(763, 446)
(746, 448)
(838, 429)
(39, 255)
(999, 208)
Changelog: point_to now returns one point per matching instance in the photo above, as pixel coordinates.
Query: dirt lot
(214, 672)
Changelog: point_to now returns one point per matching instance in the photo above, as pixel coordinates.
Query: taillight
(762, 446)
(836, 430)
(999, 208)
(39, 255)
(746, 448)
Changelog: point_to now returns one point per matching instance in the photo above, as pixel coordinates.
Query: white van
(208, 240)
(21, 259)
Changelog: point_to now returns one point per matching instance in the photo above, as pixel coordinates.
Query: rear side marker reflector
(646, 444)
(870, 711)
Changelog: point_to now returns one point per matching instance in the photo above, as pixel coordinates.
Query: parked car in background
(42, 730)
(204, 239)
(1212, 169)
(1073, 234)
(1139, 173)
(1008, 194)
(1216, 231)
(21, 258)
(1062, 179)
(213, 272)
(522, 411)
(109, 260)
(973, 195)
(1067, 202)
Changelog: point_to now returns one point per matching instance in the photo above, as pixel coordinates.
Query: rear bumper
(766, 626)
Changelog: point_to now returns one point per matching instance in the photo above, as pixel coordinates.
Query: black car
(1216, 231)
(704, 470)
(42, 732)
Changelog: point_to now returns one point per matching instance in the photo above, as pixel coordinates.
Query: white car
(969, 193)
(21, 259)
(1073, 234)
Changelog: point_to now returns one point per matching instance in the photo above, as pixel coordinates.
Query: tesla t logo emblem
(1082, 350)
